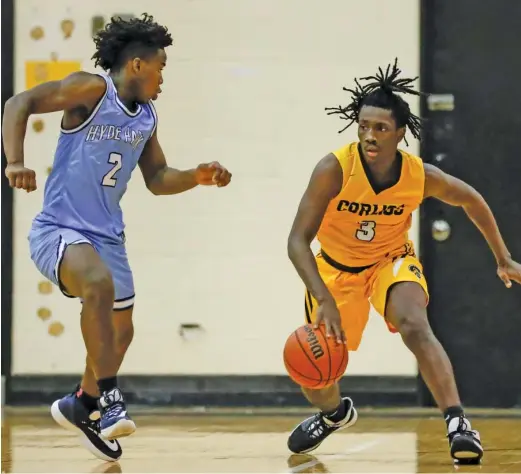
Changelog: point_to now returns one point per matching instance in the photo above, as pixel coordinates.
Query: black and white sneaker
(71, 414)
(309, 434)
(465, 443)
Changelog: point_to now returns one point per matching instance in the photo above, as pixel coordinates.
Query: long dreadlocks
(381, 91)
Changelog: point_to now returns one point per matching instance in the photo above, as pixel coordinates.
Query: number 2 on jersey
(108, 179)
(366, 232)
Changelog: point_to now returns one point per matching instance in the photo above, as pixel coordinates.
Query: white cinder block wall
(246, 84)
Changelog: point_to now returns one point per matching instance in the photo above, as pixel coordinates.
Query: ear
(136, 65)
(401, 134)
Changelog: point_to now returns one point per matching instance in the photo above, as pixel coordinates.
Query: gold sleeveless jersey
(361, 226)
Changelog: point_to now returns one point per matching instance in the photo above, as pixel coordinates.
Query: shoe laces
(316, 427)
(463, 428)
(114, 409)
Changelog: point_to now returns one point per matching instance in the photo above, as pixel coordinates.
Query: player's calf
(97, 321)
(407, 313)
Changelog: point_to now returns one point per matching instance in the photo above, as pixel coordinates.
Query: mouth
(371, 151)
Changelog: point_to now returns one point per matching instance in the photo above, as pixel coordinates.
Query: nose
(369, 136)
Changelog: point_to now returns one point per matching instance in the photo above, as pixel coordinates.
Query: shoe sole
(468, 453)
(65, 423)
(465, 455)
(347, 425)
(120, 429)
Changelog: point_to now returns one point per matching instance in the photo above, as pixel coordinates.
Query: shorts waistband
(343, 268)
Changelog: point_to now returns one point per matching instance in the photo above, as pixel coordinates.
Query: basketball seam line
(328, 353)
(307, 355)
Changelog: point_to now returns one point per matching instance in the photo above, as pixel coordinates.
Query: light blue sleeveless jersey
(92, 167)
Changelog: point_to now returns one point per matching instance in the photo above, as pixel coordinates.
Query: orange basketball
(312, 360)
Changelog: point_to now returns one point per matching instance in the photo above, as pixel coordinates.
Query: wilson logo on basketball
(314, 345)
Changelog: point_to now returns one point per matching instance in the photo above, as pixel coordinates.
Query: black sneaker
(309, 434)
(71, 414)
(465, 443)
(114, 421)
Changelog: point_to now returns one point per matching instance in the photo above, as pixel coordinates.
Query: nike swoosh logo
(112, 445)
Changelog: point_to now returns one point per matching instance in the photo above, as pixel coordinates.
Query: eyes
(379, 127)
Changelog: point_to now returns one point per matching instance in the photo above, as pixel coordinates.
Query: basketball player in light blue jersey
(77, 241)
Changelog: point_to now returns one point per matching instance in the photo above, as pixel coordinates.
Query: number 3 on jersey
(366, 232)
(108, 179)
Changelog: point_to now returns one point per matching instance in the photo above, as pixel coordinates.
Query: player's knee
(406, 312)
(98, 288)
(414, 328)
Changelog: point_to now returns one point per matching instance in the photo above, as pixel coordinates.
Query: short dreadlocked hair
(381, 91)
(121, 39)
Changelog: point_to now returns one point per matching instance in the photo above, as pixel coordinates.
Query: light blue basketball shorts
(47, 243)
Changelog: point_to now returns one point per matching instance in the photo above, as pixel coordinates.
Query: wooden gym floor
(230, 441)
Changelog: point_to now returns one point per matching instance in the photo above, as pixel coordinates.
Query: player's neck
(384, 169)
(124, 91)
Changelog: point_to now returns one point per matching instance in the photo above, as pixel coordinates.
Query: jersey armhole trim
(344, 162)
(154, 115)
(82, 125)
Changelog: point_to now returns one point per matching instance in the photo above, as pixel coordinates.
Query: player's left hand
(509, 270)
(212, 174)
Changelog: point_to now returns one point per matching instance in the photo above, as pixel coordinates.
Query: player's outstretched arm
(455, 192)
(161, 179)
(72, 92)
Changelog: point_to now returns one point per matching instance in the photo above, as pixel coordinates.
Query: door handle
(440, 230)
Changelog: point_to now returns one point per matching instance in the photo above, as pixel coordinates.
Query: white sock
(454, 423)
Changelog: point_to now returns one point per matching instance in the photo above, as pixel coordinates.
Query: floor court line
(355, 449)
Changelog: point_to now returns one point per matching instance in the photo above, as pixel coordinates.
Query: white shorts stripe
(61, 250)
(124, 304)
(397, 265)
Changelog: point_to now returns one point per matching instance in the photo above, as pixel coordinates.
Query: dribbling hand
(212, 174)
(327, 313)
(21, 177)
(509, 270)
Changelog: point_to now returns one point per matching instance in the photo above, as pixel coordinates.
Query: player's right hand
(21, 177)
(327, 313)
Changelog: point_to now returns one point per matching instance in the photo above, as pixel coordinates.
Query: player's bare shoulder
(431, 171)
(91, 87)
(435, 179)
(75, 90)
(86, 90)
(328, 175)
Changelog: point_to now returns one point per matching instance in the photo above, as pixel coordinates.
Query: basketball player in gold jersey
(358, 203)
